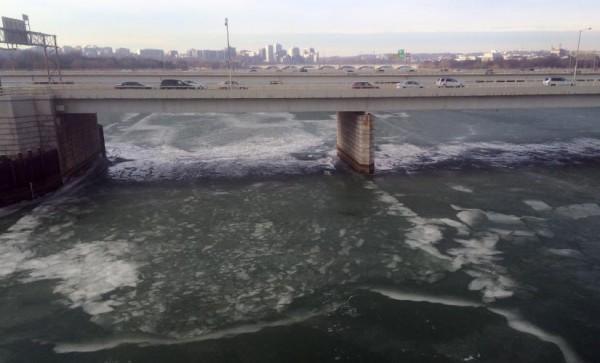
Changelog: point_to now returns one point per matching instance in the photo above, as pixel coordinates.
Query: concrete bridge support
(355, 140)
(40, 149)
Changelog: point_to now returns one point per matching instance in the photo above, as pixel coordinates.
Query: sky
(332, 27)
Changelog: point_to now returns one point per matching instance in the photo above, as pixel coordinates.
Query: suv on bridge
(175, 84)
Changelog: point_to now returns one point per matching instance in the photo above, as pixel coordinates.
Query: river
(242, 238)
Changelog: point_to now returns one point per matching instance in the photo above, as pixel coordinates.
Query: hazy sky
(333, 27)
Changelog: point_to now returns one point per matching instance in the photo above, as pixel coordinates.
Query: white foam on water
(578, 211)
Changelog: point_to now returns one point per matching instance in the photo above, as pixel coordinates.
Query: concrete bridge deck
(332, 98)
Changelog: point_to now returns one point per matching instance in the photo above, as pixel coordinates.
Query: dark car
(132, 85)
(363, 85)
(175, 84)
(195, 85)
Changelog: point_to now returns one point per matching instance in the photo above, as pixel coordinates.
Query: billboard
(15, 31)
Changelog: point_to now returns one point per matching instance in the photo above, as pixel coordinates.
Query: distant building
(492, 56)
(270, 54)
(122, 52)
(69, 49)
(279, 52)
(95, 51)
(559, 52)
(152, 53)
(310, 56)
(465, 57)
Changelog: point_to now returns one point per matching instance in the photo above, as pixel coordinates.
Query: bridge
(62, 117)
(74, 99)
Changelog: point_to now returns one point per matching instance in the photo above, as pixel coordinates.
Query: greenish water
(240, 238)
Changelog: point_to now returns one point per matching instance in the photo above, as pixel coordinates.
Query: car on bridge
(132, 85)
(196, 85)
(449, 83)
(357, 85)
(557, 81)
(230, 85)
(175, 84)
(409, 84)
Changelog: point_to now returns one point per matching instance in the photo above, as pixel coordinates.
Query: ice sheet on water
(86, 272)
(146, 340)
(565, 252)
(155, 154)
(515, 321)
(472, 217)
(462, 188)
(578, 211)
(495, 154)
(518, 323)
(538, 205)
(477, 233)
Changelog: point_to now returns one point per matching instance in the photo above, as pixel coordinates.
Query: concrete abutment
(40, 149)
(355, 140)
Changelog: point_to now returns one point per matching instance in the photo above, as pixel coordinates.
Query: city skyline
(341, 28)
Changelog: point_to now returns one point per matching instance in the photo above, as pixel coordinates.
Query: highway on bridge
(94, 92)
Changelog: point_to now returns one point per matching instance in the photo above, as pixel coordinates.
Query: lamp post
(228, 53)
(577, 54)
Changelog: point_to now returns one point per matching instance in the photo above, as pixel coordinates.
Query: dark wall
(80, 142)
(28, 176)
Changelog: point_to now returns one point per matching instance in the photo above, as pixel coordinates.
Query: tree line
(34, 60)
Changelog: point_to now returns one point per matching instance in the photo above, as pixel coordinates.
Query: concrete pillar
(26, 123)
(355, 140)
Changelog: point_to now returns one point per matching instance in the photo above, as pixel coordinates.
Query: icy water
(241, 238)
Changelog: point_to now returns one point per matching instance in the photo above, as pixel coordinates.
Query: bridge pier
(40, 149)
(355, 140)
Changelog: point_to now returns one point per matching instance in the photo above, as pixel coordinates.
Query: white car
(557, 81)
(230, 85)
(449, 82)
(409, 84)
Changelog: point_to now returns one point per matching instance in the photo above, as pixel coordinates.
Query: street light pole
(577, 53)
(228, 53)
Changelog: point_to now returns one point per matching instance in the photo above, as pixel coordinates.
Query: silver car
(557, 81)
(230, 85)
(409, 84)
(449, 82)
